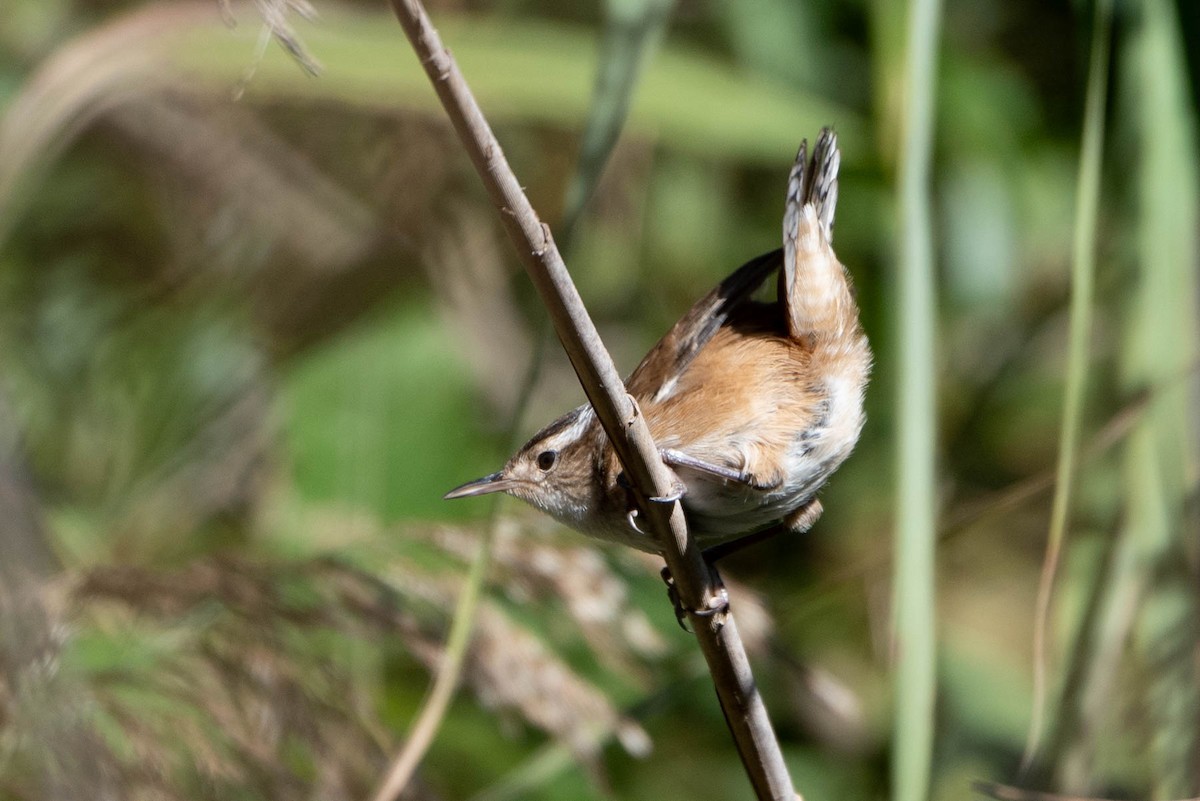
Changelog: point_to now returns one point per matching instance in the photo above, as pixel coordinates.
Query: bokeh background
(257, 315)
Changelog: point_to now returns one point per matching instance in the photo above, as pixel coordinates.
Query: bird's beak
(496, 482)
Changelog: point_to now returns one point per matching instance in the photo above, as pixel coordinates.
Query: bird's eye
(546, 460)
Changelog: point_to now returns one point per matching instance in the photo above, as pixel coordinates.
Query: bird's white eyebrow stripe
(576, 429)
(565, 430)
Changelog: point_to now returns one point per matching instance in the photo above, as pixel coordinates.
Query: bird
(753, 403)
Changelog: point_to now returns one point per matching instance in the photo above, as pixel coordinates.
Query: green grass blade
(632, 31)
(1160, 351)
(915, 627)
(1083, 270)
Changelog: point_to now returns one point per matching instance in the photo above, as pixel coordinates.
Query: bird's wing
(672, 354)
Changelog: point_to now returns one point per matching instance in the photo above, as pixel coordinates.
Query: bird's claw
(717, 604)
(676, 601)
(677, 492)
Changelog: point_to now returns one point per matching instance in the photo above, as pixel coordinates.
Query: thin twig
(616, 410)
(445, 682)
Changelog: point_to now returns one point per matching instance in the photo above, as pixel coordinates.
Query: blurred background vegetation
(256, 316)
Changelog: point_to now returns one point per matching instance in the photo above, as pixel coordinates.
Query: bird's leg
(717, 603)
(797, 522)
(673, 595)
(678, 490)
(679, 459)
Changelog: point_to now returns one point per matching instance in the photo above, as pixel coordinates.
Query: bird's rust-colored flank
(754, 404)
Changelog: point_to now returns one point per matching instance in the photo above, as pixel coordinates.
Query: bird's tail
(813, 286)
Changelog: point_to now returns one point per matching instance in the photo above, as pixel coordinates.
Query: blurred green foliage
(253, 323)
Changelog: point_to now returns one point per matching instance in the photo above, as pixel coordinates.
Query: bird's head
(556, 471)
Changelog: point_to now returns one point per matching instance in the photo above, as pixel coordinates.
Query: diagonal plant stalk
(619, 415)
(1083, 270)
(631, 32)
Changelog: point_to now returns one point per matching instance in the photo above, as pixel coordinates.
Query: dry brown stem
(695, 579)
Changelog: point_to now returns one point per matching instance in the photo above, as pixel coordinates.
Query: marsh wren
(754, 404)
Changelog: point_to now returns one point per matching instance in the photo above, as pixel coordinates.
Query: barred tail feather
(813, 286)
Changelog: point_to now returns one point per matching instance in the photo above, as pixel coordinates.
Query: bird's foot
(677, 492)
(716, 606)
